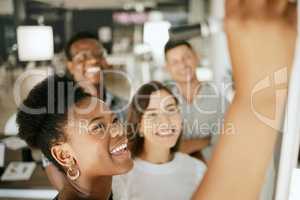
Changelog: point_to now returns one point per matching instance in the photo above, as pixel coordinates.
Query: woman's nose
(116, 130)
(165, 118)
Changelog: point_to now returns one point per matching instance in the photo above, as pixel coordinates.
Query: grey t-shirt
(203, 117)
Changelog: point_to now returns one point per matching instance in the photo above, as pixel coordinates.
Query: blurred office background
(133, 33)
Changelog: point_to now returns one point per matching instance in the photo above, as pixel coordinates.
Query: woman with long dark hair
(160, 172)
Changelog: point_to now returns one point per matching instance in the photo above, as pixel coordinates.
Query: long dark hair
(139, 104)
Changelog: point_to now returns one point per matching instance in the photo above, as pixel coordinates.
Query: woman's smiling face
(161, 123)
(97, 139)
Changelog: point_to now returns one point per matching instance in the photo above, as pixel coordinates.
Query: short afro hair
(75, 38)
(171, 44)
(43, 129)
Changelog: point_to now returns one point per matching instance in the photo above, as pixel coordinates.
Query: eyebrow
(101, 117)
(169, 105)
(150, 109)
(95, 119)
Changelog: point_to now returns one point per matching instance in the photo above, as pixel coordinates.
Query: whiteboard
(288, 176)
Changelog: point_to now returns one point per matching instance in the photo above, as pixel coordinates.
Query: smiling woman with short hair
(79, 134)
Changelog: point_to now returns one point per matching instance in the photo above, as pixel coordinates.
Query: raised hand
(261, 38)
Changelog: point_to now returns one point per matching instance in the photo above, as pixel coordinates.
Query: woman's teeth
(119, 149)
(166, 133)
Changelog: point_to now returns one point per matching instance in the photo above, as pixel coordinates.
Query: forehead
(87, 109)
(85, 44)
(160, 98)
(177, 51)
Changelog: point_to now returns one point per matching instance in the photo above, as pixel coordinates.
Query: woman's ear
(63, 154)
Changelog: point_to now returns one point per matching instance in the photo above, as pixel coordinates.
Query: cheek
(177, 120)
(193, 63)
(174, 70)
(148, 129)
(78, 69)
(93, 78)
(91, 153)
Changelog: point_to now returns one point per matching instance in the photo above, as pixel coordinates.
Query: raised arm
(261, 38)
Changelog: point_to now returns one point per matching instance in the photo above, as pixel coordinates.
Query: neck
(189, 89)
(93, 189)
(155, 155)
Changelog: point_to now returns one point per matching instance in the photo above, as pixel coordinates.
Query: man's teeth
(119, 149)
(93, 70)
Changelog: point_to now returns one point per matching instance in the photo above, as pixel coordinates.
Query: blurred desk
(38, 187)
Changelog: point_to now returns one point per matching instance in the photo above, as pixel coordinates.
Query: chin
(168, 145)
(171, 146)
(185, 80)
(125, 168)
(94, 81)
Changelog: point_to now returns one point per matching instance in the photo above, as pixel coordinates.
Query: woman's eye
(172, 109)
(152, 115)
(98, 127)
(116, 120)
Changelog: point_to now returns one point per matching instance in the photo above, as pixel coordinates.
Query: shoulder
(172, 85)
(194, 166)
(190, 161)
(120, 185)
(213, 88)
(122, 180)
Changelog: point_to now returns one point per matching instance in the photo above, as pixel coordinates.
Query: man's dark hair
(171, 44)
(78, 36)
(139, 104)
(43, 130)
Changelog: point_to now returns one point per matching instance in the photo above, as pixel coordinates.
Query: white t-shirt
(176, 180)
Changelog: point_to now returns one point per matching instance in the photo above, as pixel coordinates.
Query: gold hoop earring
(73, 173)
